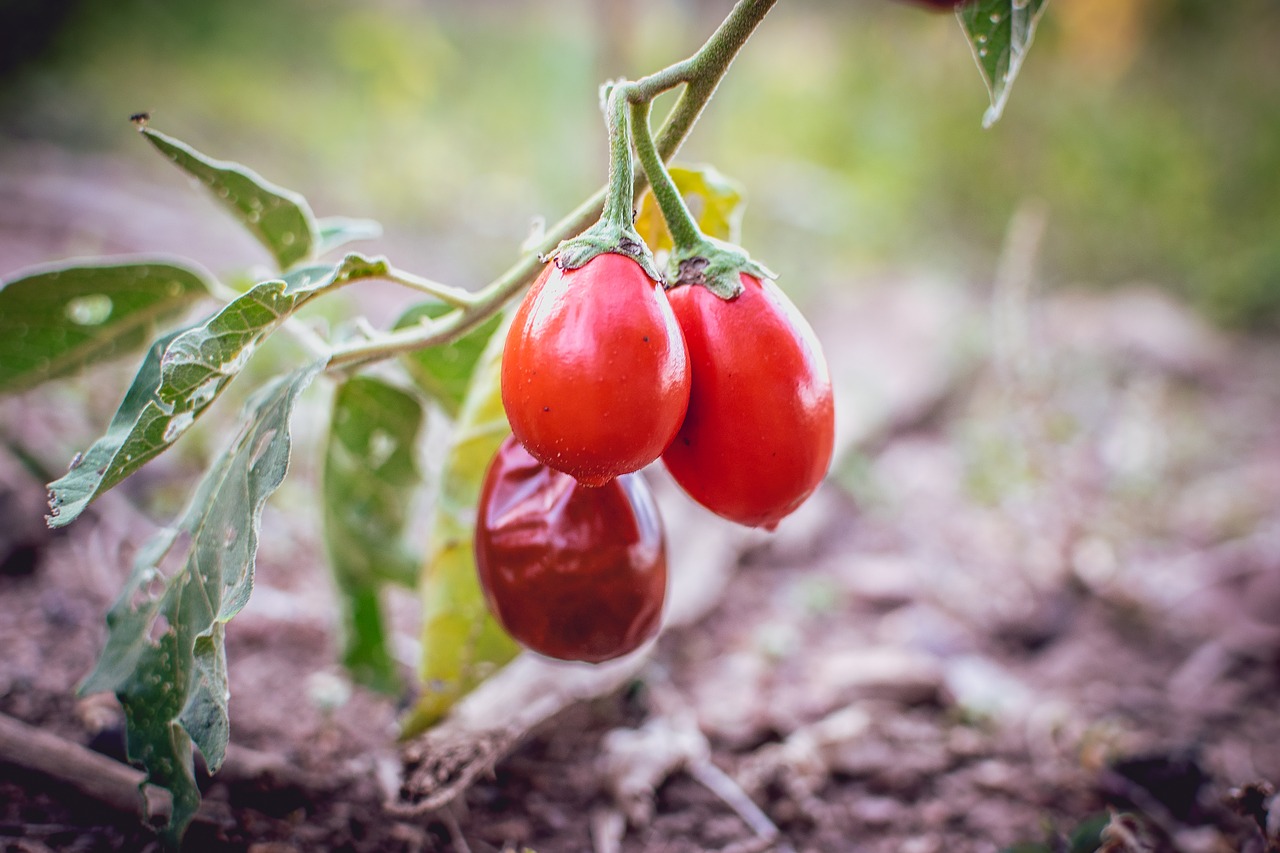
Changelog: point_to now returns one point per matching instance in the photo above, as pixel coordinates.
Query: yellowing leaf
(462, 643)
(715, 201)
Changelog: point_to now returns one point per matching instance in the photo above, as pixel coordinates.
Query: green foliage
(461, 642)
(369, 478)
(333, 232)
(280, 219)
(181, 377)
(715, 201)
(57, 320)
(444, 372)
(1000, 33)
(164, 656)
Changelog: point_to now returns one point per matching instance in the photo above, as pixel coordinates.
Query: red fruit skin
(570, 571)
(758, 436)
(595, 377)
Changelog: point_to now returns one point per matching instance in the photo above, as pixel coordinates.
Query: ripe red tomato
(570, 571)
(595, 377)
(758, 436)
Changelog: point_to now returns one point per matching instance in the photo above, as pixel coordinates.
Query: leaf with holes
(164, 657)
(462, 644)
(715, 200)
(182, 378)
(1000, 33)
(369, 479)
(281, 219)
(58, 319)
(444, 372)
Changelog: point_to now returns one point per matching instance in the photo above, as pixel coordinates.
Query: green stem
(685, 233)
(454, 296)
(701, 73)
(619, 203)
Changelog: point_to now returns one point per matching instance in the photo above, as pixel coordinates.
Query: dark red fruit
(758, 435)
(570, 571)
(595, 377)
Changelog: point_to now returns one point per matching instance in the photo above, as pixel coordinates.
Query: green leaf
(462, 644)
(716, 201)
(57, 319)
(336, 231)
(281, 219)
(164, 657)
(183, 374)
(369, 479)
(444, 372)
(1000, 33)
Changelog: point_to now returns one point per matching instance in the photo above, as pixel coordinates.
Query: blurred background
(1150, 130)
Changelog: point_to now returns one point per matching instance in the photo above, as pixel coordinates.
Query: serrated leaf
(164, 657)
(369, 478)
(444, 372)
(462, 644)
(281, 219)
(335, 231)
(178, 381)
(715, 200)
(55, 320)
(1000, 33)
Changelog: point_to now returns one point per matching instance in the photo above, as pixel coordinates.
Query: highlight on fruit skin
(570, 571)
(595, 375)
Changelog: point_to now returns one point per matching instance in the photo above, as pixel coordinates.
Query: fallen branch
(98, 777)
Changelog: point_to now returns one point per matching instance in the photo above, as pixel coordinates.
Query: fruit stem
(619, 203)
(685, 233)
(701, 74)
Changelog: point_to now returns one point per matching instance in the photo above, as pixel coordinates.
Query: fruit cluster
(605, 371)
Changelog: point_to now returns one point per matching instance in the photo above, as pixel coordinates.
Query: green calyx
(605, 237)
(715, 265)
(614, 232)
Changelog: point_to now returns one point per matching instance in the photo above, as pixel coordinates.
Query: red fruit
(595, 377)
(570, 571)
(758, 436)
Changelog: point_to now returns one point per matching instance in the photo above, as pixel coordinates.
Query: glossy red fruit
(570, 571)
(595, 377)
(758, 435)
